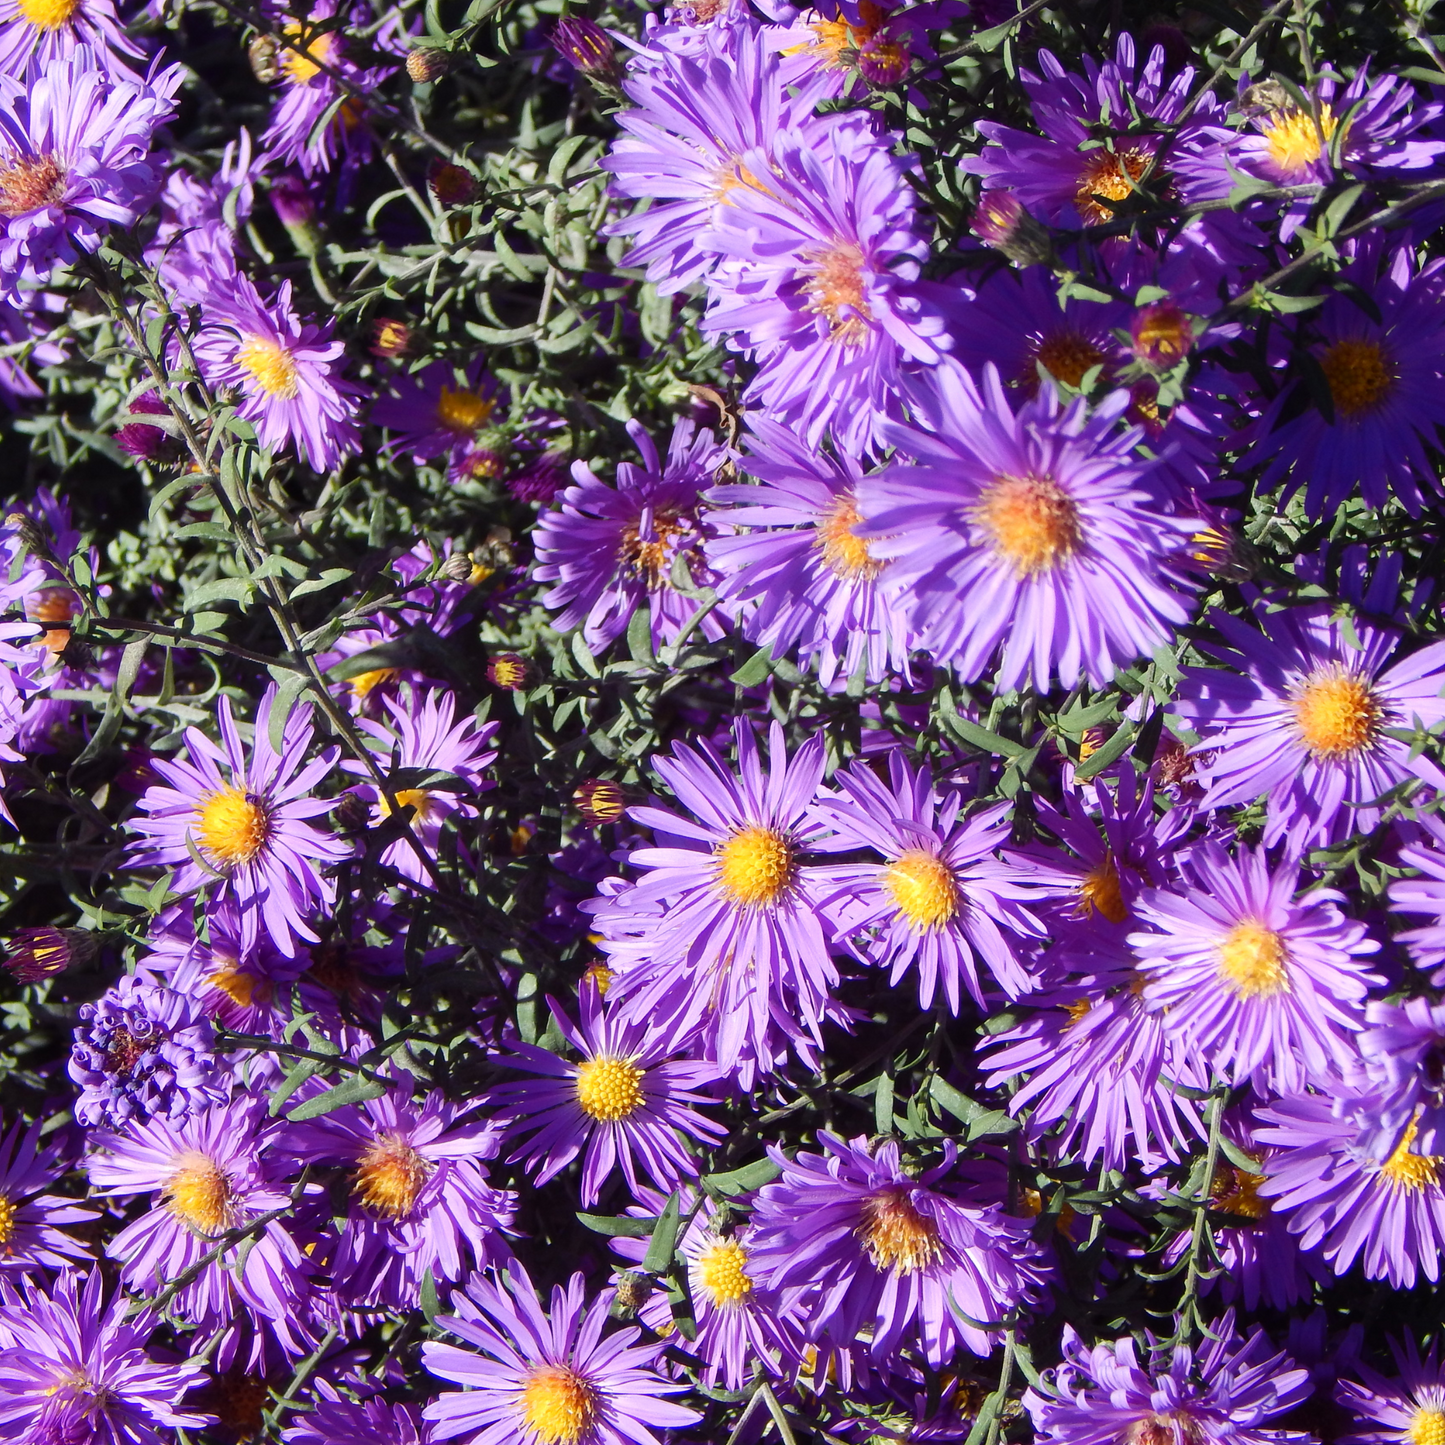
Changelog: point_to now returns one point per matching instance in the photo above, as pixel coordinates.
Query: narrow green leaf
(619, 1226)
(664, 1237)
(1111, 752)
(299, 1072)
(744, 1180)
(353, 1091)
(430, 1305)
(755, 669)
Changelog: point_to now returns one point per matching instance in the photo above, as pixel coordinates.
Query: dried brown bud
(425, 64)
(453, 185)
(600, 800)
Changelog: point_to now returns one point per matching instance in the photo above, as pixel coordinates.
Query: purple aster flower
(30, 1237)
(310, 94)
(692, 120)
(626, 1102)
(1366, 129)
(144, 1049)
(1017, 322)
(423, 737)
(246, 836)
(1302, 717)
(1098, 1072)
(610, 550)
(548, 1380)
(1043, 521)
(868, 1251)
(821, 282)
(740, 1323)
(1269, 987)
(436, 414)
(1221, 1392)
(724, 932)
(944, 902)
(792, 566)
(1402, 1054)
(419, 1197)
(1384, 370)
(1409, 1410)
(335, 1420)
(76, 140)
(33, 33)
(288, 372)
(75, 1370)
(208, 1175)
(1424, 894)
(1341, 1196)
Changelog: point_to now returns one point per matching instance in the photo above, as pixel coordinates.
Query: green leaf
(430, 1305)
(639, 634)
(1101, 757)
(222, 589)
(353, 1091)
(126, 673)
(982, 738)
(297, 1075)
(328, 578)
(618, 1226)
(664, 1237)
(883, 1104)
(755, 669)
(744, 1180)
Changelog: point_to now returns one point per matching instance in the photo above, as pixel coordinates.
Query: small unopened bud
(585, 45)
(633, 1288)
(135, 438)
(480, 462)
(262, 53)
(452, 185)
(295, 207)
(426, 63)
(457, 567)
(884, 60)
(600, 801)
(1001, 222)
(511, 671)
(36, 953)
(27, 533)
(389, 337)
(1163, 335)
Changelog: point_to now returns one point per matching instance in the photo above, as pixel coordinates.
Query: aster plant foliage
(721, 722)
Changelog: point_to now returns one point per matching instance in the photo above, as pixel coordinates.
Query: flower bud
(295, 208)
(265, 65)
(389, 337)
(426, 64)
(457, 567)
(633, 1288)
(884, 60)
(36, 953)
(452, 185)
(585, 45)
(1163, 335)
(1001, 222)
(135, 438)
(600, 801)
(511, 671)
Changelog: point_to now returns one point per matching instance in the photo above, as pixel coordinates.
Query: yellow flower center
(417, 798)
(199, 1194)
(1407, 1170)
(722, 1272)
(30, 183)
(651, 561)
(923, 888)
(1253, 959)
(362, 684)
(1065, 355)
(1294, 139)
(1360, 375)
(7, 1219)
(462, 411)
(559, 1404)
(837, 293)
(1108, 176)
(233, 825)
(49, 14)
(240, 987)
(270, 366)
(609, 1089)
(1031, 521)
(1077, 1011)
(1336, 713)
(845, 554)
(897, 1235)
(1101, 891)
(756, 866)
(389, 1176)
(1236, 1191)
(302, 65)
(1427, 1426)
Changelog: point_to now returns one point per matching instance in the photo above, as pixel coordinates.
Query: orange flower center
(463, 411)
(1065, 355)
(836, 292)
(270, 366)
(200, 1195)
(1108, 176)
(897, 1235)
(1359, 374)
(30, 183)
(1408, 1171)
(1236, 1191)
(303, 65)
(1427, 1426)
(756, 866)
(233, 825)
(1031, 521)
(1336, 713)
(389, 1176)
(609, 1089)
(1102, 892)
(1294, 140)
(559, 1404)
(845, 554)
(49, 14)
(1253, 959)
(923, 888)
(721, 1270)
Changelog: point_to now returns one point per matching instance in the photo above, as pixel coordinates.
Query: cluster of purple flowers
(1093, 862)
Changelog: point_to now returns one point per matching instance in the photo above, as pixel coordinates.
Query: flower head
(1042, 520)
(546, 1379)
(30, 1237)
(875, 1254)
(436, 414)
(625, 1102)
(1409, 1410)
(245, 832)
